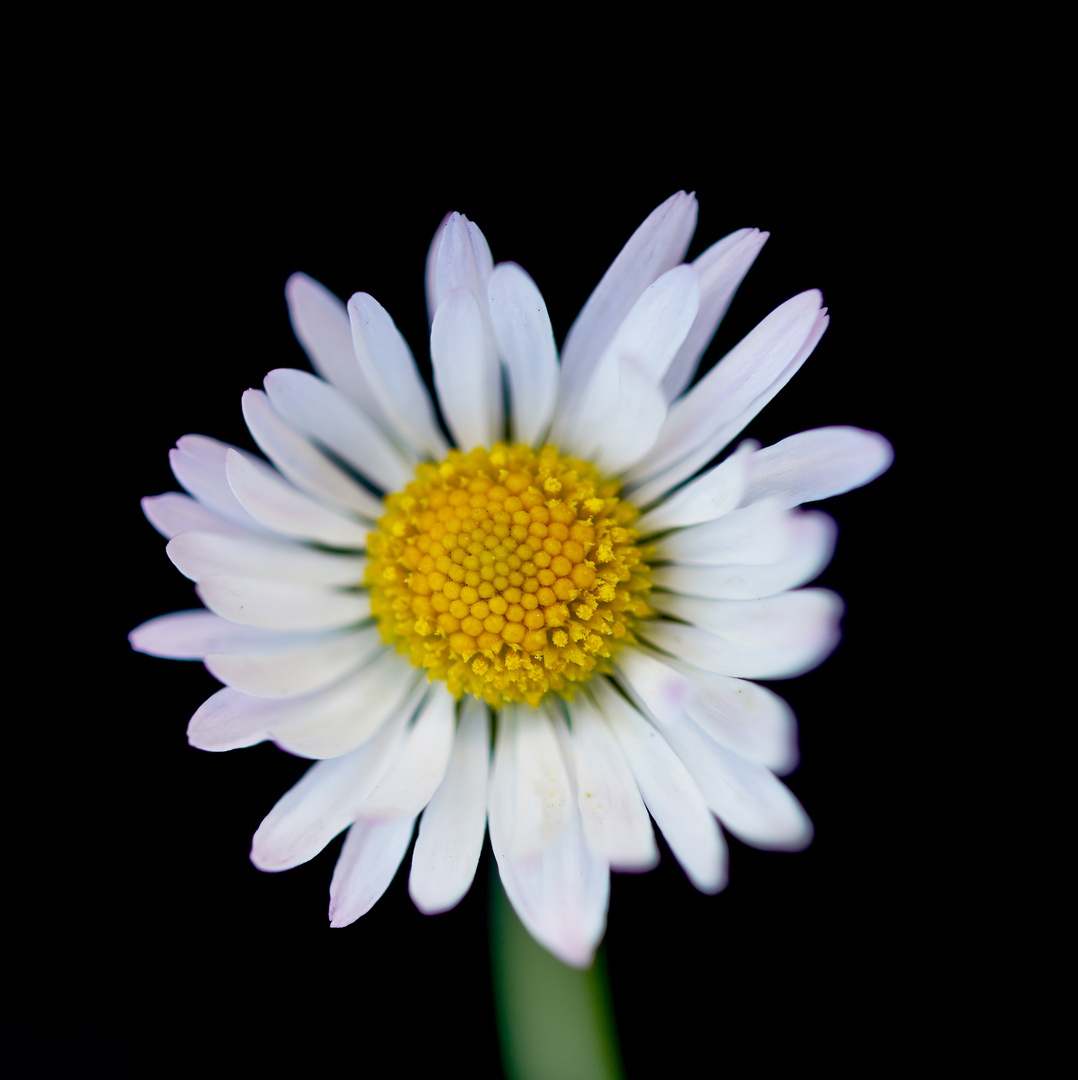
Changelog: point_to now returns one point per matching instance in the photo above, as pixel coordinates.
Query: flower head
(562, 584)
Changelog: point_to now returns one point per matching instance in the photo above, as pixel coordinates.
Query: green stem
(553, 1021)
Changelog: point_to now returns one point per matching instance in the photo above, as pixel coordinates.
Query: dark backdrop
(154, 939)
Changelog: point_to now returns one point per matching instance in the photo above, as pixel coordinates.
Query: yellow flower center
(508, 572)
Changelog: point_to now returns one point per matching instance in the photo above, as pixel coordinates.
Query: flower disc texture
(546, 623)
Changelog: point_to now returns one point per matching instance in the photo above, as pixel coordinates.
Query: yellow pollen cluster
(507, 572)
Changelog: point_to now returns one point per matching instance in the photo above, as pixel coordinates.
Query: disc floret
(508, 573)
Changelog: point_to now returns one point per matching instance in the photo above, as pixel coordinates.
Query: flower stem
(553, 1021)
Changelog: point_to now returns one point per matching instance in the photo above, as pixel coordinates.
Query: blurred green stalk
(554, 1022)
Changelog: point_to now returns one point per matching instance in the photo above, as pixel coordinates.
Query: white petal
(420, 767)
(657, 245)
(322, 412)
(388, 365)
(757, 534)
(756, 623)
(650, 336)
(750, 720)
(308, 468)
(282, 606)
(324, 802)
(451, 830)
(670, 793)
(320, 322)
(334, 721)
(748, 798)
(811, 544)
(199, 463)
(634, 414)
(296, 671)
(560, 895)
(224, 721)
(173, 513)
(461, 260)
(274, 502)
(429, 277)
(198, 554)
(713, 412)
(502, 785)
(466, 372)
(616, 823)
(321, 724)
(818, 464)
(369, 859)
(542, 805)
(191, 635)
(526, 343)
(750, 801)
(709, 496)
(721, 269)
(775, 638)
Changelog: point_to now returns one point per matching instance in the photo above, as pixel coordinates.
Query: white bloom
(305, 573)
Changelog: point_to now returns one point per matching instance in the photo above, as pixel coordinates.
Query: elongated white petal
(616, 823)
(389, 367)
(756, 623)
(748, 719)
(324, 802)
(526, 343)
(466, 372)
(225, 721)
(650, 336)
(714, 412)
(454, 823)
(321, 724)
(752, 721)
(670, 793)
(323, 413)
(818, 464)
(372, 852)
(811, 544)
(657, 323)
(275, 503)
(198, 554)
(560, 894)
(657, 245)
(282, 606)
(757, 534)
(720, 269)
(542, 806)
(709, 496)
(502, 787)
(172, 513)
(199, 463)
(749, 800)
(192, 635)
(461, 260)
(420, 767)
(429, 283)
(335, 720)
(634, 414)
(295, 671)
(320, 322)
(306, 466)
(775, 638)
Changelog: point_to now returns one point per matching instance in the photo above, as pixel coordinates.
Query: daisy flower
(545, 622)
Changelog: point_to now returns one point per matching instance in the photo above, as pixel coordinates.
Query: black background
(153, 940)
